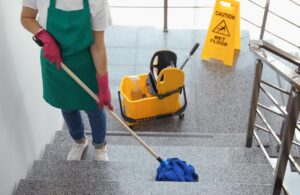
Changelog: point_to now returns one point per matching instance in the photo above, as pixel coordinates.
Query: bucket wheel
(181, 116)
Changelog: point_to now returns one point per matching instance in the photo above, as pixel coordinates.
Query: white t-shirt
(100, 14)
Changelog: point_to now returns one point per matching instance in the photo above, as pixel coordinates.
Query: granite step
(166, 139)
(190, 153)
(194, 121)
(209, 174)
(135, 187)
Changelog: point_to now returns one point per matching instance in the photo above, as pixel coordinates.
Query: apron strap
(86, 4)
(52, 4)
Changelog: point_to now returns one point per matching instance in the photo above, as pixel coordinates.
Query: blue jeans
(97, 119)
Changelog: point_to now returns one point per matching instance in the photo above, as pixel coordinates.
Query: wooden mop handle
(113, 114)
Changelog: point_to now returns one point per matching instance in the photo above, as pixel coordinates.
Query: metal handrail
(264, 52)
(266, 8)
(275, 14)
(289, 75)
(298, 4)
(283, 39)
(273, 34)
(279, 52)
(180, 7)
(263, 27)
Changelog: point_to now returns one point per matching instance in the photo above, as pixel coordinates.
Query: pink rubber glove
(51, 48)
(104, 92)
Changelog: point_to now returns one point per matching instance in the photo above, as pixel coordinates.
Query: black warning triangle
(222, 29)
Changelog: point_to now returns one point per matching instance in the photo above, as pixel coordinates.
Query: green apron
(72, 30)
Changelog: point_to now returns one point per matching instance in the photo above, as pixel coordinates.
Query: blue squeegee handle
(190, 55)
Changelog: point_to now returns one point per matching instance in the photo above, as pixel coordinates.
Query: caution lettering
(225, 15)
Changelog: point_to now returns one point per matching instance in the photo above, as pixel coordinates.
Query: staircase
(224, 167)
(211, 137)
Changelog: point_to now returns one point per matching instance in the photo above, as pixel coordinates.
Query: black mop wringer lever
(166, 166)
(190, 55)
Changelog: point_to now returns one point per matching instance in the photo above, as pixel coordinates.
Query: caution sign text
(219, 41)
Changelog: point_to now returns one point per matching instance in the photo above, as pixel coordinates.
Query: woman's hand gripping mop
(172, 169)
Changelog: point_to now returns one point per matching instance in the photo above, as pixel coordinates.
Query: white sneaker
(77, 151)
(101, 154)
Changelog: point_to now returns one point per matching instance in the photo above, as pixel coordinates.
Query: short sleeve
(31, 4)
(101, 17)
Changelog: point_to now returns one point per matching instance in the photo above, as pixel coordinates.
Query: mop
(171, 169)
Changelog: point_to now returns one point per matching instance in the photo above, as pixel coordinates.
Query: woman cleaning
(72, 31)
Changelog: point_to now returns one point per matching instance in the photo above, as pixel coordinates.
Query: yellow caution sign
(223, 36)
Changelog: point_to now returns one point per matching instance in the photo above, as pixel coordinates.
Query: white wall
(27, 123)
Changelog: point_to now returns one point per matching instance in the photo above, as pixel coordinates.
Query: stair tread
(133, 187)
(190, 153)
(146, 170)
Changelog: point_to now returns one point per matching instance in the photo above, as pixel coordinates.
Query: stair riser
(146, 171)
(208, 140)
(41, 187)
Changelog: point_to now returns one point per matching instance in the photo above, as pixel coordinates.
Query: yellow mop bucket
(141, 100)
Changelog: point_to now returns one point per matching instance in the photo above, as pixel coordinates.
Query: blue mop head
(174, 169)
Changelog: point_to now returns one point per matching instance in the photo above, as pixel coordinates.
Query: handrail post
(165, 15)
(287, 137)
(254, 102)
(288, 104)
(262, 31)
